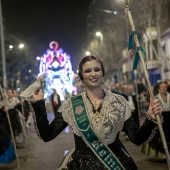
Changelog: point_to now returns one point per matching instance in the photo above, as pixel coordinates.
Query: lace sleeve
(67, 115)
(65, 110)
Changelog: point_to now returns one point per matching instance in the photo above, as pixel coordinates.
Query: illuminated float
(56, 64)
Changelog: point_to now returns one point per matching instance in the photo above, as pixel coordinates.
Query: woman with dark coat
(96, 116)
(7, 153)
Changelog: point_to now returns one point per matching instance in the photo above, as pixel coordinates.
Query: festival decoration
(140, 54)
(57, 66)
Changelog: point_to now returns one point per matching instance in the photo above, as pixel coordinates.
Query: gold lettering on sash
(102, 153)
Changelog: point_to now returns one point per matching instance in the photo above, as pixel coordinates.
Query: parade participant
(24, 109)
(1, 101)
(96, 117)
(7, 153)
(155, 148)
(132, 99)
(55, 101)
(13, 103)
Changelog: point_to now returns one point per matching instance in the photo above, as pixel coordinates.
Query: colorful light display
(56, 64)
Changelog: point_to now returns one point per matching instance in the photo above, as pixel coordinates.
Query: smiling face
(92, 74)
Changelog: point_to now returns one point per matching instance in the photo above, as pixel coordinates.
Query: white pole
(141, 55)
(2, 48)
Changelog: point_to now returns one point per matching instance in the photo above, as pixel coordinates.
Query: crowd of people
(15, 119)
(14, 129)
(97, 115)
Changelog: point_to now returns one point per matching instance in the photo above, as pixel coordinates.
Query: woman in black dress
(154, 148)
(96, 123)
(7, 153)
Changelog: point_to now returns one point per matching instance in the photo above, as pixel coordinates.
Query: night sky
(63, 21)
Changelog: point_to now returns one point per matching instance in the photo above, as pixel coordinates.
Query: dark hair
(162, 82)
(11, 90)
(89, 58)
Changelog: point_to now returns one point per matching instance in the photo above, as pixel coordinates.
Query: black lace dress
(154, 148)
(83, 158)
(156, 142)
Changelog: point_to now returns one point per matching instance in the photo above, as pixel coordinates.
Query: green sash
(104, 154)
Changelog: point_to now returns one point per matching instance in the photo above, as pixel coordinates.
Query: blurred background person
(55, 101)
(141, 87)
(156, 89)
(155, 147)
(25, 110)
(168, 88)
(67, 95)
(132, 99)
(119, 89)
(116, 88)
(13, 104)
(7, 153)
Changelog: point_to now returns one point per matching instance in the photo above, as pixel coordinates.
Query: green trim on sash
(104, 154)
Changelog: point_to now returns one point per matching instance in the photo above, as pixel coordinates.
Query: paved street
(47, 156)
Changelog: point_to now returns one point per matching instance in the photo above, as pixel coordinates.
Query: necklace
(96, 105)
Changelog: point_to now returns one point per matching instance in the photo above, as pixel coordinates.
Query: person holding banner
(154, 148)
(96, 116)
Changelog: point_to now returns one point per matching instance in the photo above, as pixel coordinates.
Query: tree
(116, 28)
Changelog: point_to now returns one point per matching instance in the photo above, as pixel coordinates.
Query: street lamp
(37, 58)
(87, 53)
(21, 46)
(99, 34)
(11, 47)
